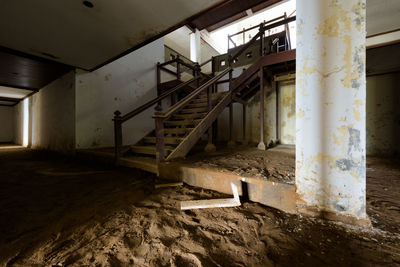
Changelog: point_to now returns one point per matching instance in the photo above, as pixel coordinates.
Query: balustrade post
(262, 37)
(117, 135)
(178, 77)
(215, 90)
(159, 123)
(245, 141)
(231, 143)
(198, 70)
(178, 67)
(277, 125)
(210, 147)
(158, 106)
(261, 145)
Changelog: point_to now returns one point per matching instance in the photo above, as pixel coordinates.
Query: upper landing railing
(276, 39)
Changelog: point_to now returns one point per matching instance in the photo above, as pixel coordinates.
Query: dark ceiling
(23, 71)
(228, 12)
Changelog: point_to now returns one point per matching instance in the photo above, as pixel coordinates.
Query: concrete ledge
(277, 195)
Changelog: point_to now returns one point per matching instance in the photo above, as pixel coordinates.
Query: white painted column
(195, 54)
(330, 107)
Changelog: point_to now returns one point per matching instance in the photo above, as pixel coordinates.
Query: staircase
(195, 105)
(178, 127)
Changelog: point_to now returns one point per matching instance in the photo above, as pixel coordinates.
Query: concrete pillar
(195, 55)
(330, 108)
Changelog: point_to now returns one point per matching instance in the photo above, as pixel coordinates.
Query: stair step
(150, 150)
(204, 99)
(181, 122)
(198, 105)
(192, 110)
(167, 140)
(190, 115)
(177, 130)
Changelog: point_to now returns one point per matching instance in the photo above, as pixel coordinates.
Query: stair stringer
(191, 139)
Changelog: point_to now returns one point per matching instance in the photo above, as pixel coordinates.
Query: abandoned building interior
(200, 133)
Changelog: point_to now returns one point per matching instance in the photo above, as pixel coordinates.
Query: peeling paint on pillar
(330, 106)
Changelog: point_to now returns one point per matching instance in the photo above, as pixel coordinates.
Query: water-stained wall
(49, 116)
(287, 112)
(7, 122)
(330, 106)
(123, 85)
(286, 109)
(52, 115)
(253, 116)
(383, 115)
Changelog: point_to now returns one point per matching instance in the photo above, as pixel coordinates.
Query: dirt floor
(60, 212)
(276, 164)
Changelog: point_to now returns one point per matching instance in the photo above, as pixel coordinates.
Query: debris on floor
(213, 203)
(276, 164)
(117, 218)
(156, 186)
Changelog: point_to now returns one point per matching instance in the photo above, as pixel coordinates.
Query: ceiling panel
(67, 31)
(382, 16)
(24, 71)
(226, 11)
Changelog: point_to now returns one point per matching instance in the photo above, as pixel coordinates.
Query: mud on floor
(276, 164)
(63, 213)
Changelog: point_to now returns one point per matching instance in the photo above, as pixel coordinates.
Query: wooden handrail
(167, 70)
(155, 100)
(177, 53)
(254, 27)
(168, 62)
(263, 29)
(205, 62)
(178, 106)
(193, 67)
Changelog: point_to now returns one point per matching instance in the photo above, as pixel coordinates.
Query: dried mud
(60, 212)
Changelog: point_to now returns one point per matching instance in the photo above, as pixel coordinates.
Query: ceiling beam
(226, 21)
(10, 99)
(227, 10)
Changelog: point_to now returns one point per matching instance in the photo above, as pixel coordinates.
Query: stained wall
(123, 85)
(52, 120)
(331, 107)
(383, 115)
(7, 121)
